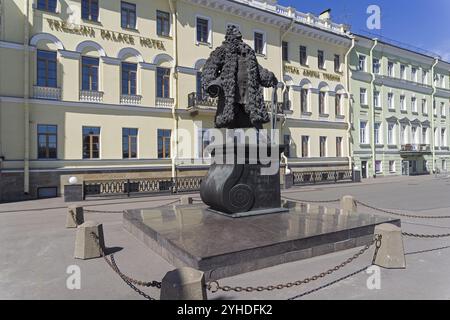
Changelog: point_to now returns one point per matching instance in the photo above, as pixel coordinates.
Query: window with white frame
(424, 106)
(363, 132)
(390, 69)
(403, 103)
(443, 137)
(376, 99)
(376, 65)
(391, 134)
(403, 72)
(363, 96)
(259, 42)
(414, 74)
(392, 167)
(425, 77)
(378, 166)
(204, 140)
(304, 97)
(403, 137)
(414, 104)
(443, 113)
(338, 104)
(436, 137)
(391, 105)
(378, 133)
(435, 109)
(323, 147)
(203, 30)
(424, 135)
(415, 138)
(362, 63)
(322, 103)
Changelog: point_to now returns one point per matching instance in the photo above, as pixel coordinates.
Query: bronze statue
(232, 74)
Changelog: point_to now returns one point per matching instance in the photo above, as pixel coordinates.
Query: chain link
(426, 236)
(311, 201)
(401, 214)
(214, 286)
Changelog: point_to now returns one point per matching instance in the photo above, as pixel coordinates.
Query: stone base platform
(190, 235)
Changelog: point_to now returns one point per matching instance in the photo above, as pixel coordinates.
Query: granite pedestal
(190, 235)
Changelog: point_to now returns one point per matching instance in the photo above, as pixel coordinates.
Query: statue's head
(233, 34)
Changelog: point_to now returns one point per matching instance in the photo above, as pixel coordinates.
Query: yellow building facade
(102, 89)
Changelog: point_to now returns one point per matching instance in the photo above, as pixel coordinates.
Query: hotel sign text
(105, 34)
(311, 73)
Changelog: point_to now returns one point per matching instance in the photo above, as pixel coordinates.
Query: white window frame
(264, 40)
(403, 74)
(414, 71)
(378, 133)
(414, 104)
(443, 137)
(391, 101)
(363, 101)
(363, 135)
(376, 65)
(391, 134)
(210, 33)
(391, 71)
(392, 166)
(377, 100)
(402, 102)
(443, 110)
(364, 67)
(381, 166)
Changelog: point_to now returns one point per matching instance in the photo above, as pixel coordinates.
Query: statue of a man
(232, 74)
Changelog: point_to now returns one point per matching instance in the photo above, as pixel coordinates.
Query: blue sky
(421, 23)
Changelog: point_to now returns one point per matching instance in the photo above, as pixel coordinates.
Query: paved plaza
(36, 249)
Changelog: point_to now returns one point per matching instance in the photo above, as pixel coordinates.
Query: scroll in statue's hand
(214, 88)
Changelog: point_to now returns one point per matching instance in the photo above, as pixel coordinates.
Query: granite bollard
(183, 284)
(391, 254)
(75, 216)
(89, 241)
(186, 200)
(348, 204)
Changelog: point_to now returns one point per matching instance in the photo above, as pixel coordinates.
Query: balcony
(47, 93)
(196, 100)
(130, 99)
(91, 96)
(415, 149)
(164, 102)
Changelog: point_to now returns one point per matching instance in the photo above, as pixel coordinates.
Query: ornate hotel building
(400, 109)
(104, 89)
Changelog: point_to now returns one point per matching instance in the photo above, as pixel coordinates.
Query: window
(303, 56)
(390, 69)
(323, 147)
(414, 74)
(259, 43)
(320, 59)
(305, 146)
(391, 101)
(163, 83)
(363, 132)
(162, 23)
(304, 100)
(91, 142)
(200, 90)
(89, 10)
(391, 134)
(322, 99)
(46, 69)
(47, 141)
(164, 143)
(129, 143)
(129, 75)
(287, 143)
(414, 135)
(425, 165)
(376, 99)
(392, 167)
(47, 5)
(89, 77)
(414, 104)
(425, 107)
(337, 63)
(362, 63)
(128, 15)
(443, 113)
(434, 109)
(376, 65)
(285, 51)
(403, 72)
(202, 30)
(424, 135)
(378, 166)
(402, 103)
(203, 142)
(338, 104)
(425, 77)
(338, 147)
(363, 96)
(377, 133)
(403, 137)
(443, 137)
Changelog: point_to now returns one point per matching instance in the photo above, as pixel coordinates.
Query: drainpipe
(433, 137)
(372, 93)
(173, 10)
(26, 88)
(348, 88)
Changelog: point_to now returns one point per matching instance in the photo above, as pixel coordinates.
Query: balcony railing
(91, 96)
(47, 93)
(130, 99)
(164, 102)
(196, 100)
(415, 148)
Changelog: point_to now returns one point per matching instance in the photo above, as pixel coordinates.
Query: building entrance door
(405, 168)
(364, 169)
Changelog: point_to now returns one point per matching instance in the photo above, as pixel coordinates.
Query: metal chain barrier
(311, 201)
(214, 286)
(401, 214)
(426, 236)
(132, 283)
(102, 211)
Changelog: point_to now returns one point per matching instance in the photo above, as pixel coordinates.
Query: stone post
(74, 217)
(73, 192)
(391, 254)
(186, 200)
(348, 204)
(183, 284)
(86, 247)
